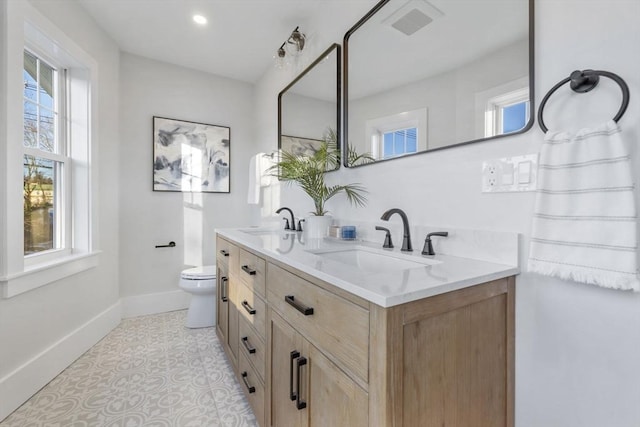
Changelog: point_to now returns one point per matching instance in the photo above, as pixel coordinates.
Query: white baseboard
(142, 305)
(18, 386)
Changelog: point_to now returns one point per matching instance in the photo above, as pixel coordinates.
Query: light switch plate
(510, 174)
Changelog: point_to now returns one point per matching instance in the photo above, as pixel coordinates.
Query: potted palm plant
(308, 172)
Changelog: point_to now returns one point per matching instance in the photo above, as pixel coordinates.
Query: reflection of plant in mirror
(353, 158)
(308, 172)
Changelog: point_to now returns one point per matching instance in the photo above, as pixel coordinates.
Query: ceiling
(239, 40)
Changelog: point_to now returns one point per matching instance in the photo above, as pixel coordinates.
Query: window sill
(42, 274)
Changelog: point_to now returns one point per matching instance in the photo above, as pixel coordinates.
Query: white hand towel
(266, 161)
(584, 223)
(253, 196)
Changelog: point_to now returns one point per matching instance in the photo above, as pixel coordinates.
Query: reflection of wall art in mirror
(190, 157)
(469, 65)
(300, 146)
(310, 105)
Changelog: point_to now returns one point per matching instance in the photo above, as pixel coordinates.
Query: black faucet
(406, 239)
(428, 247)
(286, 224)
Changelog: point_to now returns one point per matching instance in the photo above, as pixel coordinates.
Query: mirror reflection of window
(507, 113)
(399, 142)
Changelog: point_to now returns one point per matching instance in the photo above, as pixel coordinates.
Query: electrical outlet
(510, 174)
(490, 174)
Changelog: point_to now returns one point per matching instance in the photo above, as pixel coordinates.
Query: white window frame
(376, 128)
(27, 28)
(63, 196)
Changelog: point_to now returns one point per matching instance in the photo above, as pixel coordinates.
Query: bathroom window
(51, 232)
(45, 158)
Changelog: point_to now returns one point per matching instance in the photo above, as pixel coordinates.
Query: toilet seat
(206, 272)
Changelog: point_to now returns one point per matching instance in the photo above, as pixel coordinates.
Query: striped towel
(584, 223)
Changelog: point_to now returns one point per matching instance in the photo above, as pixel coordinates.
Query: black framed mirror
(426, 75)
(309, 108)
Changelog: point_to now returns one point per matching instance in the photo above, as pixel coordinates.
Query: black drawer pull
(294, 355)
(245, 342)
(248, 270)
(251, 388)
(307, 311)
(224, 289)
(247, 307)
(300, 404)
(224, 253)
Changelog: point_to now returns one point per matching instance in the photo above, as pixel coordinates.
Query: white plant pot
(316, 227)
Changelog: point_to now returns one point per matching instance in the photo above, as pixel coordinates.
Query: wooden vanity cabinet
(446, 360)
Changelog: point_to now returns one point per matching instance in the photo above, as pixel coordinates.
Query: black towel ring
(584, 81)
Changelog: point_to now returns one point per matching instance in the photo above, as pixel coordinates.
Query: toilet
(200, 282)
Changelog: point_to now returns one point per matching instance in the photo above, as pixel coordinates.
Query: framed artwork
(299, 146)
(190, 157)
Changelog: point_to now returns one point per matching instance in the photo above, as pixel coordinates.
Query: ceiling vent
(413, 16)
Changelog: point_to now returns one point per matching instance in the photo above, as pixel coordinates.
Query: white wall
(577, 345)
(43, 330)
(151, 88)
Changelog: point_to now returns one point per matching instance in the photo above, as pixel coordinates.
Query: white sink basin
(373, 260)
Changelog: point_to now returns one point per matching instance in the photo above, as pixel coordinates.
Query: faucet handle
(428, 246)
(300, 221)
(286, 224)
(387, 238)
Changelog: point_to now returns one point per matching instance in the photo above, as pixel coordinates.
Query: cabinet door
(222, 303)
(455, 369)
(286, 351)
(334, 399)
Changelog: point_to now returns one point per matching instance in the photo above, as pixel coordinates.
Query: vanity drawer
(336, 326)
(252, 308)
(252, 346)
(253, 388)
(252, 271)
(227, 253)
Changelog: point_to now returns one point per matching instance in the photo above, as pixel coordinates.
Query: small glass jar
(348, 232)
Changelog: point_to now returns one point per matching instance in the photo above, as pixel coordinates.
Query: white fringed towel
(584, 223)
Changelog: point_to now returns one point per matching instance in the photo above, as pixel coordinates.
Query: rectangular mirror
(424, 75)
(309, 107)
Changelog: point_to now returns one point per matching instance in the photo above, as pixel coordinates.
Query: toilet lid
(200, 273)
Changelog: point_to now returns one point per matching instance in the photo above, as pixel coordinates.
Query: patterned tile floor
(150, 371)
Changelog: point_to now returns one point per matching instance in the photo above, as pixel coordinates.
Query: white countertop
(384, 288)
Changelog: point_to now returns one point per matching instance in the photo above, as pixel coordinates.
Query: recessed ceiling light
(199, 19)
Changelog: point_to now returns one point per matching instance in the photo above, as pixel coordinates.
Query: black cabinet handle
(247, 307)
(251, 388)
(224, 289)
(248, 270)
(245, 342)
(224, 253)
(300, 404)
(294, 355)
(291, 300)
